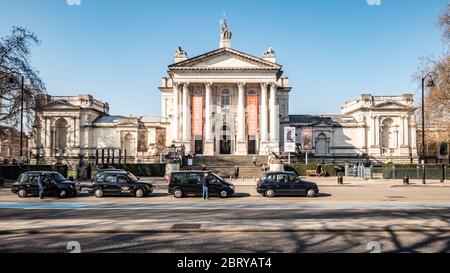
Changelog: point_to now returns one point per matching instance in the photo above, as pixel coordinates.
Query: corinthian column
(208, 121)
(175, 124)
(241, 113)
(263, 129)
(186, 113)
(274, 114)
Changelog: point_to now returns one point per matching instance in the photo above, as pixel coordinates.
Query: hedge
(302, 168)
(411, 171)
(155, 169)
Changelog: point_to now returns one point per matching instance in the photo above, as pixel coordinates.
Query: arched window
(386, 133)
(225, 98)
(61, 126)
(321, 144)
(127, 143)
(252, 93)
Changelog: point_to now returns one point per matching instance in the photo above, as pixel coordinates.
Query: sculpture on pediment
(269, 53)
(225, 32)
(180, 53)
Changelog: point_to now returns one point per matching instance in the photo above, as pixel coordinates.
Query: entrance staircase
(223, 165)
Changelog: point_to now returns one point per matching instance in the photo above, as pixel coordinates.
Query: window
(122, 179)
(292, 177)
(57, 177)
(225, 99)
(178, 178)
(252, 93)
(193, 178)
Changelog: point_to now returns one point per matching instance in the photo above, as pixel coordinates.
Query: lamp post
(430, 83)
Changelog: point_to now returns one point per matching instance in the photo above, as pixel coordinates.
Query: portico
(225, 101)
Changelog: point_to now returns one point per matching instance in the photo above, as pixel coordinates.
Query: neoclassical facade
(223, 102)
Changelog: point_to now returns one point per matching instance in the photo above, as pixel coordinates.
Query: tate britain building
(223, 102)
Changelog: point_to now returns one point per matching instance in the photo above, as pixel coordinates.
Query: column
(377, 131)
(208, 115)
(401, 130)
(264, 110)
(241, 113)
(175, 125)
(274, 114)
(186, 114)
(371, 128)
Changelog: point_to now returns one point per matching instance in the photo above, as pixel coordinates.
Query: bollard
(406, 180)
(340, 180)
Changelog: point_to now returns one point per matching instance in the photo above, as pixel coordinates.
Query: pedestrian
(319, 170)
(254, 160)
(203, 166)
(205, 185)
(236, 172)
(41, 185)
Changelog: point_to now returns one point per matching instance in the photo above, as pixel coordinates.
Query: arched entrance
(386, 134)
(225, 140)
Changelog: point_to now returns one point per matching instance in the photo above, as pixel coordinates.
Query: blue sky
(331, 50)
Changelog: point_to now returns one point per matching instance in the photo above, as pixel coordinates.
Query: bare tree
(437, 98)
(14, 66)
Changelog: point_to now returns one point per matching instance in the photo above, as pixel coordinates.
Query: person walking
(254, 160)
(205, 185)
(236, 172)
(319, 170)
(203, 166)
(41, 185)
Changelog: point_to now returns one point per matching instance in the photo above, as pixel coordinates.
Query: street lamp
(430, 83)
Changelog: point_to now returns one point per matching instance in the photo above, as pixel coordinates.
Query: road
(352, 218)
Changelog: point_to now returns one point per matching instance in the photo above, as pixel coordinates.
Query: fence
(440, 172)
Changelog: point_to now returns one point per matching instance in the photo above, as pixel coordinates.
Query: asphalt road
(274, 242)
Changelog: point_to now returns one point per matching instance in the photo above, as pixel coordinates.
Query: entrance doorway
(251, 145)
(198, 143)
(225, 140)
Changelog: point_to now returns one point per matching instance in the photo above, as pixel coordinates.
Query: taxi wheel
(223, 194)
(311, 193)
(139, 193)
(62, 193)
(98, 193)
(178, 193)
(269, 193)
(22, 193)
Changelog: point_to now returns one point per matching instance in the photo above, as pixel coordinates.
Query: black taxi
(117, 183)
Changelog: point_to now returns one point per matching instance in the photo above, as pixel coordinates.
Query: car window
(106, 178)
(282, 178)
(24, 178)
(57, 177)
(193, 178)
(293, 177)
(122, 179)
(132, 177)
(178, 178)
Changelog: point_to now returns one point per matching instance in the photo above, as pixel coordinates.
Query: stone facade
(223, 102)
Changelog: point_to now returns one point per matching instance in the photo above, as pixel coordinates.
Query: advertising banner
(307, 135)
(252, 119)
(289, 139)
(197, 115)
(142, 140)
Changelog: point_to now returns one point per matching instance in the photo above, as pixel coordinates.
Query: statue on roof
(269, 53)
(180, 53)
(225, 32)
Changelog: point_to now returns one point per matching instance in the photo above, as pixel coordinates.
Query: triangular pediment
(390, 105)
(225, 58)
(60, 105)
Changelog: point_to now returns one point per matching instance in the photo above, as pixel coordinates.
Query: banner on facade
(289, 139)
(307, 134)
(197, 115)
(160, 140)
(142, 140)
(252, 119)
